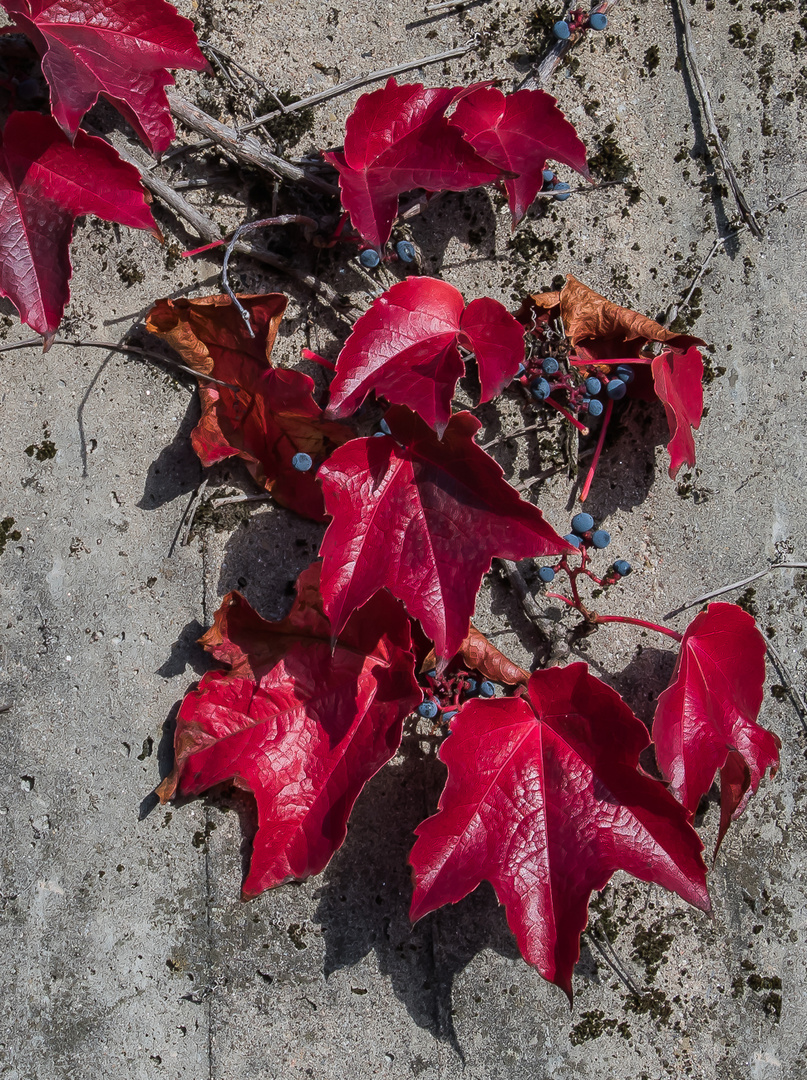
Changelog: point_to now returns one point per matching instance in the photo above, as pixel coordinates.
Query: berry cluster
(546, 381)
(560, 190)
(583, 537)
(577, 21)
(446, 693)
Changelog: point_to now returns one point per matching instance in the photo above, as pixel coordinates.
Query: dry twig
(734, 585)
(541, 75)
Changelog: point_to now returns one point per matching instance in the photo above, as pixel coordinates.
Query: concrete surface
(125, 950)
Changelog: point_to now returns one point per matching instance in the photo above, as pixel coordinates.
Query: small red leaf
(678, 382)
(271, 415)
(405, 348)
(423, 518)
(45, 184)
(396, 139)
(518, 133)
(706, 718)
(545, 799)
(119, 50)
(302, 725)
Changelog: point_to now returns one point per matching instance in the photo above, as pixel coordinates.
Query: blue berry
(593, 386)
(565, 192)
(601, 538)
(385, 427)
(378, 434)
(432, 674)
(616, 389)
(369, 258)
(582, 522)
(625, 373)
(405, 251)
(595, 407)
(549, 177)
(550, 366)
(521, 371)
(622, 567)
(487, 689)
(598, 21)
(302, 462)
(561, 30)
(570, 538)
(428, 709)
(471, 686)
(546, 574)
(450, 714)
(540, 389)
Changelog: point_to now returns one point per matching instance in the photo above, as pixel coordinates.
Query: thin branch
(334, 91)
(190, 513)
(746, 212)
(734, 585)
(541, 75)
(225, 500)
(209, 231)
(244, 147)
(504, 438)
(795, 695)
(444, 5)
(130, 350)
(547, 628)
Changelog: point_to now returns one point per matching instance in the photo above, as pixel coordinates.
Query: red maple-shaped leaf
(678, 382)
(406, 348)
(545, 799)
(301, 724)
(45, 184)
(267, 415)
(422, 517)
(518, 133)
(706, 718)
(117, 49)
(396, 139)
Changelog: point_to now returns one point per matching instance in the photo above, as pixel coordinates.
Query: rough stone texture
(125, 950)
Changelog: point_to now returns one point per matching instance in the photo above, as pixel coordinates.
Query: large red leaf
(302, 725)
(396, 139)
(406, 348)
(45, 184)
(118, 48)
(271, 416)
(706, 718)
(545, 799)
(423, 518)
(518, 133)
(678, 382)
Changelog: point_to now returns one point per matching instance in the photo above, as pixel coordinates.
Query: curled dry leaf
(120, 50)
(299, 722)
(545, 800)
(706, 719)
(46, 182)
(271, 414)
(406, 348)
(479, 654)
(422, 517)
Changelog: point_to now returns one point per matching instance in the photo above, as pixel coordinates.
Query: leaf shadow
(641, 681)
(363, 903)
(176, 471)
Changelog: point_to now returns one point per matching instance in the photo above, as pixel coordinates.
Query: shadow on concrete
(177, 470)
(187, 653)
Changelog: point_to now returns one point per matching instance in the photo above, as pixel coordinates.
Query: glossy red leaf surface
(423, 518)
(269, 414)
(545, 800)
(678, 382)
(45, 184)
(706, 719)
(406, 348)
(519, 132)
(396, 139)
(116, 48)
(299, 724)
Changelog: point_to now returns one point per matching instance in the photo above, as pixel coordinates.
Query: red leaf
(706, 718)
(423, 518)
(545, 799)
(45, 184)
(518, 133)
(119, 50)
(678, 382)
(406, 349)
(271, 415)
(396, 139)
(301, 725)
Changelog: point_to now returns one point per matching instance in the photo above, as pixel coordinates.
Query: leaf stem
(639, 622)
(609, 408)
(567, 416)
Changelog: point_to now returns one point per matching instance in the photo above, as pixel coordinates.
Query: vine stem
(640, 622)
(609, 408)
